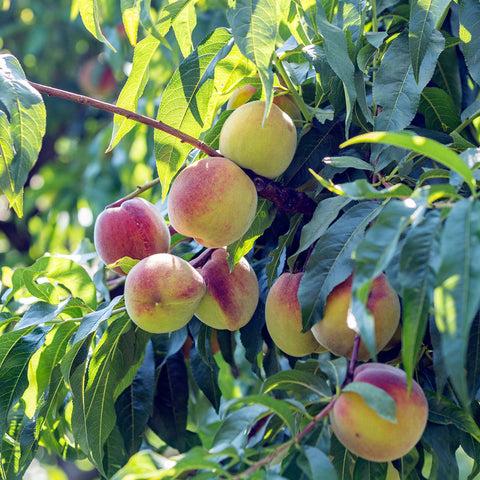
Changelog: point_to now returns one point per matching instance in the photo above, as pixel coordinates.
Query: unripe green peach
(266, 149)
(283, 317)
(231, 297)
(162, 293)
(334, 331)
(240, 96)
(212, 200)
(135, 229)
(362, 431)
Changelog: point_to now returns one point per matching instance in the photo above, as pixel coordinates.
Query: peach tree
(382, 98)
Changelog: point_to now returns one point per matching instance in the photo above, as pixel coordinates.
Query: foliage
(388, 153)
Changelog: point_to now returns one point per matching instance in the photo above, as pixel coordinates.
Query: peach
(231, 297)
(162, 293)
(283, 317)
(240, 96)
(334, 331)
(267, 149)
(135, 229)
(96, 78)
(212, 200)
(362, 431)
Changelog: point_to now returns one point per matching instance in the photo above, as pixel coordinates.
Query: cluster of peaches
(214, 202)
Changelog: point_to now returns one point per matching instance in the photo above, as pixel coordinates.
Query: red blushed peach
(267, 147)
(212, 200)
(333, 331)
(135, 229)
(231, 297)
(162, 293)
(364, 432)
(283, 317)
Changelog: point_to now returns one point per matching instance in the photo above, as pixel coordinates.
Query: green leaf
(336, 51)
(348, 162)
(439, 110)
(423, 146)
(263, 219)
(331, 262)
(169, 416)
(395, 88)
(443, 411)
(469, 17)
(376, 398)
(23, 137)
(424, 16)
(316, 464)
(447, 75)
(365, 470)
(417, 276)
(134, 404)
(183, 27)
(89, 12)
(373, 256)
(455, 298)
(205, 374)
(233, 431)
(63, 271)
(275, 266)
(297, 381)
(131, 19)
(133, 88)
(96, 387)
(325, 213)
(254, 25)
(16, 351)
(186, 103)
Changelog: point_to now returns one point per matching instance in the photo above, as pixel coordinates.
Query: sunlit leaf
(89, 12)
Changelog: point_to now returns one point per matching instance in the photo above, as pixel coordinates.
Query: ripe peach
(266, 149)
(240, 96)
(162, 293)
(212, 200)
(334, 332)
(283, 317)
(364, 432)
(135, 229)
(231, 297)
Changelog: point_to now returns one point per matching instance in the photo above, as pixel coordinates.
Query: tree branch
(287, 199)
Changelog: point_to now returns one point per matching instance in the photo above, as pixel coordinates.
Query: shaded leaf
(331, 261)
(455, 298)
(417, 276)
(373, 256)
(439, 110)
(469, 20)
(169, 417)
(316, 464)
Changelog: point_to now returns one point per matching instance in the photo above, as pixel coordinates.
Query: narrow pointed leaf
(133, 88)
(254, 25)
(417, 276)
(456, 300)
(439, 110)
(423, 146)
(131, 19)
(469, 20)
(372, 257)
(186, 102)
(316, 464)
(27, 116)
(331, 260)
(90, 17)
(424, 15)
